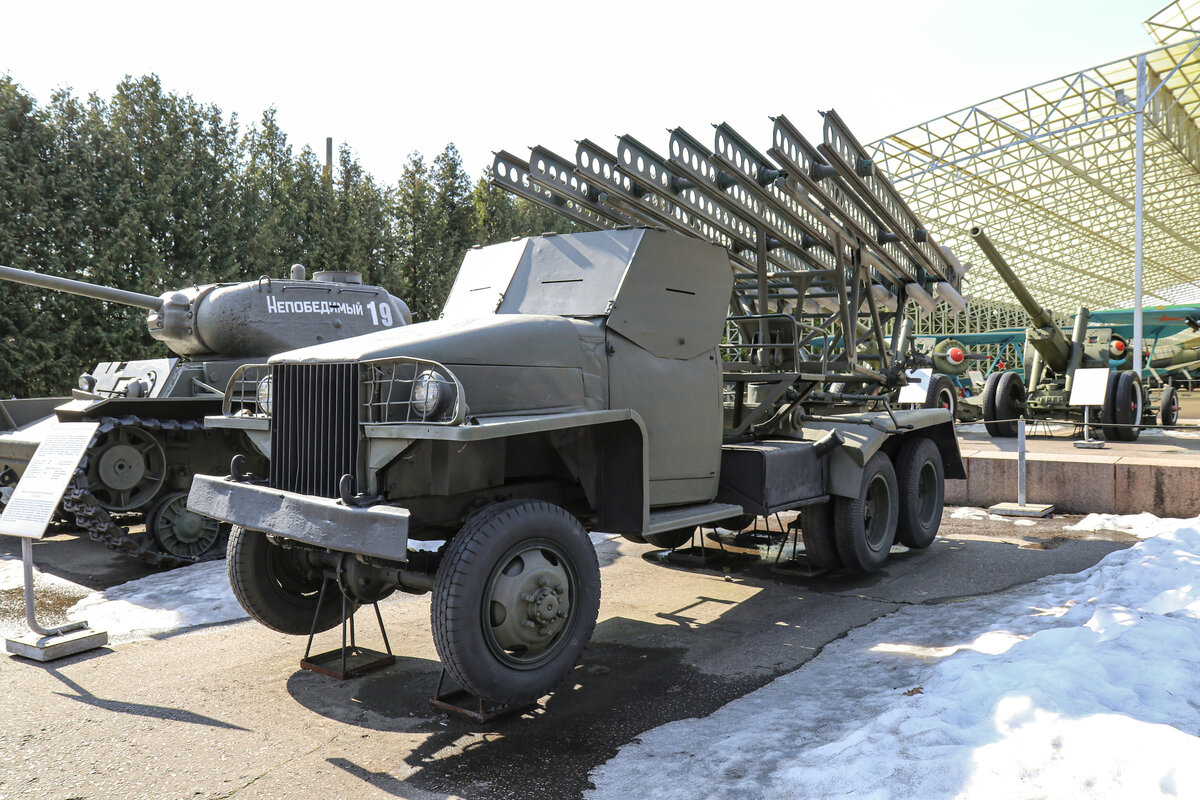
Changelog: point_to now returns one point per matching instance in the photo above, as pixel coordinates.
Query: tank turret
(251, 319)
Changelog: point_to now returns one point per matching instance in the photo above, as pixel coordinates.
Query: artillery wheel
(816, 527)
(180, 532)
(942, 394)
(1168, 412)
(515, 600)
(1123, 407)
(669, 540)
(1003, 399)
(126, 468)
(277, 586)
(865, 526)
(921, 478)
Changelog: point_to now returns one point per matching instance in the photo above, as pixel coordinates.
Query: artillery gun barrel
(1038, 316)
(1044, 335)
(146, 301)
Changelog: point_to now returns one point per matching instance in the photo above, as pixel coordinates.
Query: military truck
(152, 438)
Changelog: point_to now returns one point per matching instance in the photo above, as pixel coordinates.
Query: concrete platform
(1159, 473)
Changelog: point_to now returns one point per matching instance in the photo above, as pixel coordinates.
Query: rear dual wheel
(1003, 403)
(1123, 407)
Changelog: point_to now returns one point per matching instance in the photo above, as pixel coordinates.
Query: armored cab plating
(152, 437)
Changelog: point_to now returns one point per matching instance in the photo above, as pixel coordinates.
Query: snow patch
(1081, 685)
(1142, 525)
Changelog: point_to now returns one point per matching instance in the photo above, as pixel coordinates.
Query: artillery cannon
(152, 438)
(1051, 359)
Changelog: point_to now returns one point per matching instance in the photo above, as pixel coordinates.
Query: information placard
(918, 386)
(40, 489)
(1089, 387)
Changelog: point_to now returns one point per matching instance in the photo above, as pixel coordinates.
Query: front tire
(865, 526)
(515, 601)
(277, 586)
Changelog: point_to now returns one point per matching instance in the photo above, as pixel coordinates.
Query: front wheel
(277, 586)
(669, 540)
(515, 600)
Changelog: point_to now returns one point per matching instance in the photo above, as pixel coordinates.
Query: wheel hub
(122, 467)
(182, 533)
(529, 604)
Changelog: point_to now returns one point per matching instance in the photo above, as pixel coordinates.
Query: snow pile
(1079, 685)
(1142, 525)
(198, 594)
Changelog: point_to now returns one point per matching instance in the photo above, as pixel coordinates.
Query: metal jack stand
(350, 660)
(47, 644)
(461, 703)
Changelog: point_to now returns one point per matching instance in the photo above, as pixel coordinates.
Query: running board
(672, 519)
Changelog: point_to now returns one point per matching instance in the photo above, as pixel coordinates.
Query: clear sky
(393, 78)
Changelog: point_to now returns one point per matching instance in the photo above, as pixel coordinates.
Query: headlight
(263, 395)
(87, 382)
(430, 394)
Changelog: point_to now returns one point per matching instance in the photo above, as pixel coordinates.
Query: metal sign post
(26, 515)
(1088, 390)
(1022, 508)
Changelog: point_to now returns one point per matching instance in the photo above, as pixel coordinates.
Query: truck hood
(508, 364)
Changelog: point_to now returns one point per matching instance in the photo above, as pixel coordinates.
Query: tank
(152, 439)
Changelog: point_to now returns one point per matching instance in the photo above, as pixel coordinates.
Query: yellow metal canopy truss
(1051, 173)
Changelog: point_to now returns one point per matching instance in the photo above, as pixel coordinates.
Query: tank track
(101, 525)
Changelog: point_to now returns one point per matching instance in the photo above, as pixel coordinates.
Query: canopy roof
(1048, 171)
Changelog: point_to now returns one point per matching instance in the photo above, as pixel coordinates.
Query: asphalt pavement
(226, 711)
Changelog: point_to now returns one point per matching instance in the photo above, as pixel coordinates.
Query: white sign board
(1089, 387)
(40, 489)
(918, 386)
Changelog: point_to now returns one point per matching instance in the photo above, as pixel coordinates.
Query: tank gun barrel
(1039, 317)
(146, 301)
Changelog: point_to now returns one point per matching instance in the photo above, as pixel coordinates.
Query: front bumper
(380, 531)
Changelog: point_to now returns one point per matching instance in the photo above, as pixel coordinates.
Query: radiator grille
(314, 433)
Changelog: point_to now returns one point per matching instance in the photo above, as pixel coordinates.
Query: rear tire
(921, 478)
(865, 526)
(515, 600)
(816, 526)
(1169, 406)
(670, 540)
(277, 587)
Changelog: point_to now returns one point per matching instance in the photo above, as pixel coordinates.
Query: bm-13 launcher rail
(816, 234)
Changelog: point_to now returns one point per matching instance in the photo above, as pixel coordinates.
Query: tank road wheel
(1003, 402)
(865, 526)
(669, 540)
(1168, 412)
(921, 478)
(515, 600)
(942, 394)
(277, 586)
(816, 526)
(180, 532)
(126, 468)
